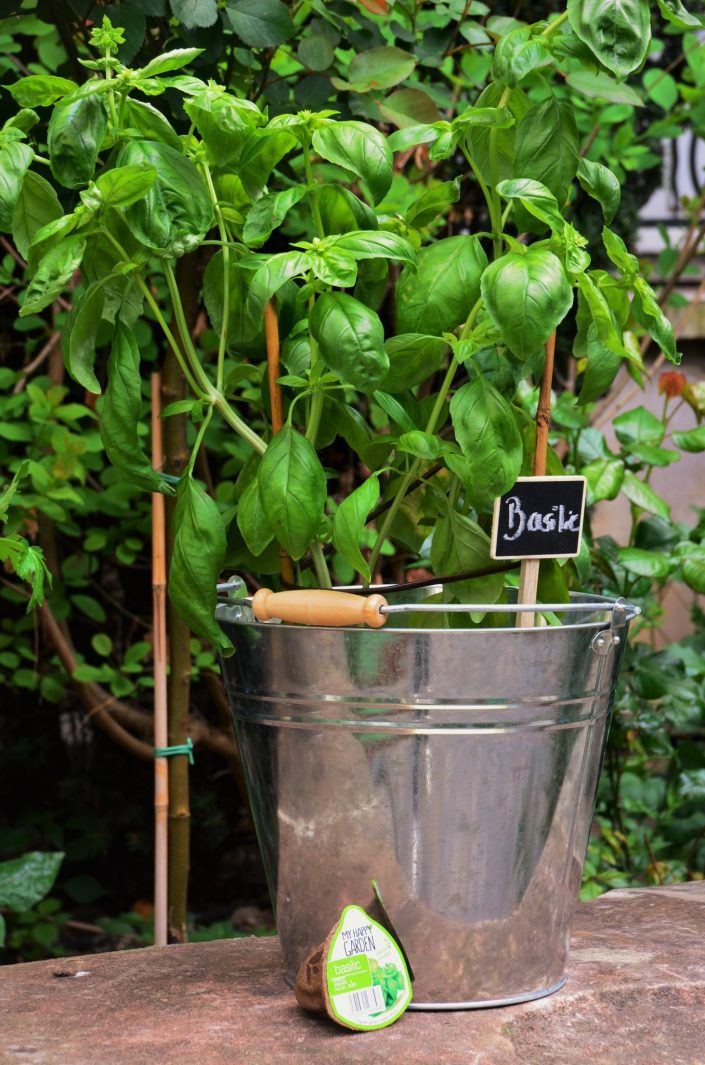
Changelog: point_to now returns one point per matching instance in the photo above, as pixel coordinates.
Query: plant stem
(184, 333)
(316, 409)
(226, 275)
(555, 25)
(494, 178)
(313, 185)
(320, 566)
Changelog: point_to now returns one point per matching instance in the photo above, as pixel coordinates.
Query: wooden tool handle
(318, 606)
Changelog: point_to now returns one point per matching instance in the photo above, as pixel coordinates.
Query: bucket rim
(617, 612)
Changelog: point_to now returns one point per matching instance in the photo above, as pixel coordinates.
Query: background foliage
(71, 790)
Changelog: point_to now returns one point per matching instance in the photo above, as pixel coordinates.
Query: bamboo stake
(271, 333)
(161, 767)
(529, 572)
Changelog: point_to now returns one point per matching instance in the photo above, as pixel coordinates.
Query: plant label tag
(540, 517)
(367, 981)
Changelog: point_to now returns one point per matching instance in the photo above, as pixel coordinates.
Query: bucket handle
(322, 606)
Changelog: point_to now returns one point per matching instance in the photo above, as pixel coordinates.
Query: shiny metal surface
(456, 767)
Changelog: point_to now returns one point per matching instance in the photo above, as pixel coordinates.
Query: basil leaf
(40, 90)
(433, 202)
(260, 23)
(617, 251)
(224, 122)
(271, 276)
(396, 412)
(121, 414)
(504, 137)
(617, 32)
(534, 198)
(438, 295)
(79, 336)
(349, 521)
(150, 123)
(342, 211)
(351, 339)
(252, 520)
(489, 438)
(460, 544)
(600, 86)
(260, 154)
(293, 490)
(379, 244)
(173, 60)
(125, 185)
(526, 297)
(648, 313)
(516, 55)
(600, 183)
(15, 159)
(678, 16)
(176, 212)
(269, 212)
(546, 147)
(413, 357)
(407, 106)
(601, 369)
(242, 330)
(359, 148)
(36, 206)
(195, 13)
(75, 136)
(53, 273)
(196, 562)
(609, 334)
(333, 266)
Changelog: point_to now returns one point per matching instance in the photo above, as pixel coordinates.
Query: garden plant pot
(455, 767)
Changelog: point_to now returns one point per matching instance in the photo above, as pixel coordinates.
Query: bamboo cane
(161, 768)
(529, 572)
(271, 333)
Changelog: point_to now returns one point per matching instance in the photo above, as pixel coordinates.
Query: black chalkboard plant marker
(529, 572)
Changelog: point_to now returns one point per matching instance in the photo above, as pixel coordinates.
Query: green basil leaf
(26, 880)
(150, 123)
(601, 369)
(79, 336)
(342, 211)
(600, 86)
(395, 411)
(604, 479)
(196, 562)
(252, 520)
(459, 544)
(351, 426)
(121, 414)
(438, 295)
(693, 568)
(36, 206)
(661, 88)
(293, 490)
(15, 160)
(526, 296)
(403, 139)
(195, 13)
(351, 339)
(333, 266)
(413, 358)
(378, 244)
(690, 439)
(53, 273)
(599, 311)
(173, 60)
(242, 330)
(377, 68)
(176, 212)
(536, 199)
(617, 251)
(359, 148)
(125, 185)
(600, 183)
(40, 90)
(267, 213)
(493, 117)
(433, 202)
(489, 438)
(503, 137)
(546, 147)
(260, 23)
(642, 495)
(516, 55)
(75, 136)
(423, 445)
(653, 456)
(678, 16)
(224, 122)
(617, 32)
(271, 276)
(349, 521)
(260, 154)
(648, 313)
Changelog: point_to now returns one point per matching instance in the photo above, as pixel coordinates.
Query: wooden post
(271, 333)
(161, 768)
(529, 573)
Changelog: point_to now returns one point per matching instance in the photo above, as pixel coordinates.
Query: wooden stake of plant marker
(529, 573)
(161, 739)
(271, 334)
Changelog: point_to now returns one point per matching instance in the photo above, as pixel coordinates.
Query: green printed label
(368, 981)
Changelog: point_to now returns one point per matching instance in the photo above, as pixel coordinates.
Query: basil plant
(421, 353)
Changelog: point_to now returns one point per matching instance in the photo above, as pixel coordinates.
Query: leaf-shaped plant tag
(359, 976)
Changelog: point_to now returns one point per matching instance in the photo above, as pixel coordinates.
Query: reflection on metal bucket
(456, 767)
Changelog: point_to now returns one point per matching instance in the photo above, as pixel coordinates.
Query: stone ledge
(635, 995)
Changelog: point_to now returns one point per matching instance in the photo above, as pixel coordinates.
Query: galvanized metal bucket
(456, 767)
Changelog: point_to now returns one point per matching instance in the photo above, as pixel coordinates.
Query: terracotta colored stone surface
(635, 996)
